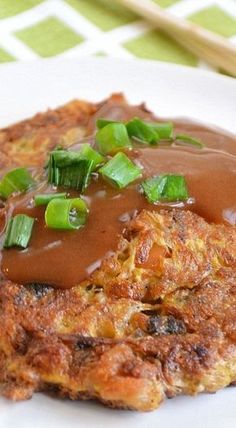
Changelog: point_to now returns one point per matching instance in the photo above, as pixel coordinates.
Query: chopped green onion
(62, 158)
(67, 169)
(104, 122)
(165, 188)
(120, 170)
(112, 137)
(44, 199)
(164, 130)
(87, 152)
(16, 180)
(18, 231)
(189, 140)
(66, 214)
(143, 131)
(76, 176)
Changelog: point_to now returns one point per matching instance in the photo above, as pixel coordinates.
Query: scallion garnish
(149, 132)
(67, 169)
(66, 214)
(76, 176)
(113, 137)
(16, 180)
(87, 152)
(167, 187)
(100, 123)
(62, 158)
(164, 129)
(186, 139)
(18, 231)
(44, 199)
(143, 131)
(120, 170)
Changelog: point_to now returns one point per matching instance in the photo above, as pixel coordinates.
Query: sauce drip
(65, 258)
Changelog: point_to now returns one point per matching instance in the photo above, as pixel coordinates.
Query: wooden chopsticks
(212, 48)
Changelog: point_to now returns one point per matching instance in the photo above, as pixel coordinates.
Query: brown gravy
(64, 258)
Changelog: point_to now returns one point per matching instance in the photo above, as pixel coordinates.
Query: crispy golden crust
(162, 253)
(91, 342)
(28, 142)
(157, 319)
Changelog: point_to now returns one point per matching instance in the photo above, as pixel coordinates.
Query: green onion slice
(16, 180)
(143, 131)
(100, 123)
(18, 231)
(189, 140)
(76, 176)
(44, 199)
(66, 214)
(164, 130)
(167, 187)
(62, 158)
(67, 169)
(113, 137)
(120, 170)
(87, 152)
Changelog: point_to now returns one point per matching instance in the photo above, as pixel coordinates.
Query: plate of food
(118, 245)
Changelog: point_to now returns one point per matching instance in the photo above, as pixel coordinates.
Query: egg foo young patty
(157, 317)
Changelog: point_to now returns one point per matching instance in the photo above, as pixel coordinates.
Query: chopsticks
(212, 48)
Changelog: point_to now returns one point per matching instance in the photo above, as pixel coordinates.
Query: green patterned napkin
(30, 29)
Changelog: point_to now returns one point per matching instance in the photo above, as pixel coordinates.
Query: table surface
(31, 29)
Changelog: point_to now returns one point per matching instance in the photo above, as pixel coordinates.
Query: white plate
(169, 90)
